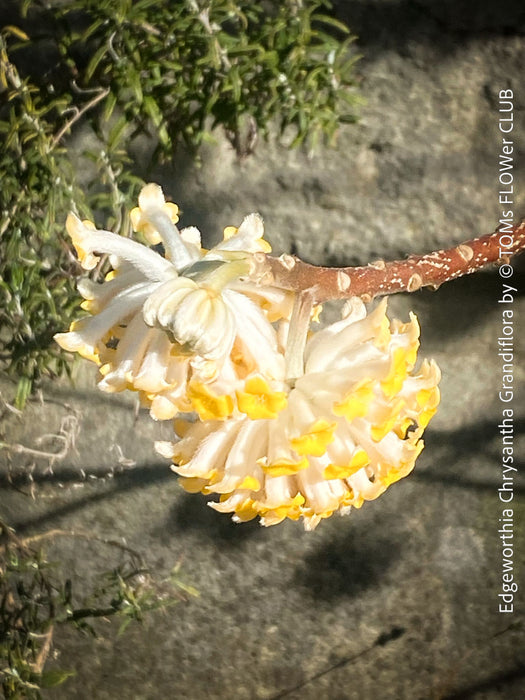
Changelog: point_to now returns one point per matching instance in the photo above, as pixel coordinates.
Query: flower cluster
(177, 327)
(194, 335)
(349, 427)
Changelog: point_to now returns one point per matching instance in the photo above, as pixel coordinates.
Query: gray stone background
(399, 599)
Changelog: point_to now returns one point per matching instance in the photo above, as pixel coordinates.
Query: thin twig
(385, 638)
(381, 278)
(26, 542)
(81, 534)
(67, 434)
(38, 665)
(56, 139)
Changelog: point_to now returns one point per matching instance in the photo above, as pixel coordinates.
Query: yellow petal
(208, 405)
(192, 484)
(424, 417)
(172, 210)
(259, 401)
(335, 471)
(315, 440)
(264, 245)
(397, 373)
(428, 398)
(316, 312)
(251, 483)
(401, 428)
(284, 467)
(356, 402)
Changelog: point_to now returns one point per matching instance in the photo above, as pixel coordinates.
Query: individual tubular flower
(348, 428)
(179, 328)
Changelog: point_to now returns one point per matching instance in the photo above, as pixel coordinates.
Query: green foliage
(33, 278)
(118, 69)
(179, 68)
(36, 598)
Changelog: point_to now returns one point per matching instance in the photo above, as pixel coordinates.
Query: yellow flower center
(259, 401)
(208, 405)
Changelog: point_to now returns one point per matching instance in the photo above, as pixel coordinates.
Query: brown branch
(38, 665)
(76, 116)
(381, 278)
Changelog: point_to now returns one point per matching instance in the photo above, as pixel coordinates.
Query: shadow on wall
(384, 25)
(508, 683)
(448, 447)
(191, 512)
(347, 564)
(102, 490)
(464, 304)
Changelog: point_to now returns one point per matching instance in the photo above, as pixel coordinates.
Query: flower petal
(90, 244)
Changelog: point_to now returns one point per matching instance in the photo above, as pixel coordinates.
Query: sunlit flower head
(335, 437)
(175, 326)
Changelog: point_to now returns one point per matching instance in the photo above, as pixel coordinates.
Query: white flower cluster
(194, 335)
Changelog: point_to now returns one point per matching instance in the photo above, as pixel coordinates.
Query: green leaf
(117, 131)
(51, 679)
(23, 392)
(109, 106)
(144, 5)
(332, 21)
(92, 29)
(348, 118)
(96, 59)
(134, 80)
(15, 31)
(153, 111)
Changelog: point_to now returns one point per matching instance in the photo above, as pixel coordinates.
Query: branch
(38, 665)
(80, 534)
(26, 542)
(76, 116)
(381, 278)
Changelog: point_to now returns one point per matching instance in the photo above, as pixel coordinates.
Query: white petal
(151, 377)
(128, 356)
(205, 323)
(151, 196)
(192, 238)
(249, 445)
(256, 334)
(92, 329)
(320, 495)
(162, 305)
(102, 292)
(212, 451)
(150, 263)
(330, 344)
(277, 302)
(247, 237)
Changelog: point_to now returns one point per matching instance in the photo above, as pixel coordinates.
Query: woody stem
(382, 278)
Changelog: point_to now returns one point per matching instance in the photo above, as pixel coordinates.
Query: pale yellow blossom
(181, 327)
(343, 432)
